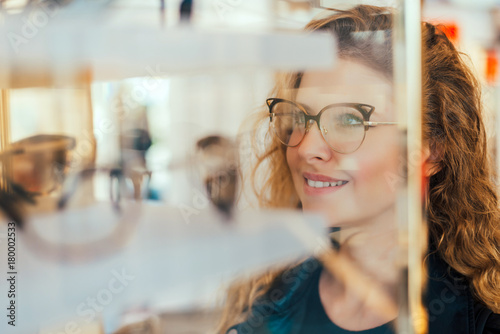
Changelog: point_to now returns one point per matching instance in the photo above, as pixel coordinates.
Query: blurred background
(113, 117)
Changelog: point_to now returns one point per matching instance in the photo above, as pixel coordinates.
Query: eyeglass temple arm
(372, 124)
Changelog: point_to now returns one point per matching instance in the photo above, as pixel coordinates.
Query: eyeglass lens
(341, 126)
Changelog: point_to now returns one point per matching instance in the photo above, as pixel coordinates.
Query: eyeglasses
(342, 125)
(96, 214)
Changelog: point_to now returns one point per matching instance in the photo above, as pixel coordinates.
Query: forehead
(348, 82)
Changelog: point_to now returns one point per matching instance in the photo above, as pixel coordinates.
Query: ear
(431, 155)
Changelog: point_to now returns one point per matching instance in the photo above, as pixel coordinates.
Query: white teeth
(319, 184)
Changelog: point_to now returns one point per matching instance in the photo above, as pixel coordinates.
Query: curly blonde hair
(462, 204)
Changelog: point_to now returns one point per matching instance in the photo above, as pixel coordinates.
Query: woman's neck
(373, 249)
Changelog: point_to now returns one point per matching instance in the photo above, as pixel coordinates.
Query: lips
(317, 184)
(320, 178)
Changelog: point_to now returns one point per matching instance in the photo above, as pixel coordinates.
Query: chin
(332, 216)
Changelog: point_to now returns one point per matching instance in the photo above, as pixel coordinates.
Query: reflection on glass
(87, 224)
(216, 159)
(40, 163)
(32, 167)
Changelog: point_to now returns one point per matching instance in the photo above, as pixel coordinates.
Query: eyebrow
(307, 107)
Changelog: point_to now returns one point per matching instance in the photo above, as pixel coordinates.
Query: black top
(292, 305)
(317, 321)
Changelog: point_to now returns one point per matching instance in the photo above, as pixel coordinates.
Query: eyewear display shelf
(68, 51)
(161, 257)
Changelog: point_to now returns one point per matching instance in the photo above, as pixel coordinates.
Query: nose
(313, 146)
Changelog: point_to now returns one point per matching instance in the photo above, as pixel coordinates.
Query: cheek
(379, 170)
(292, 159)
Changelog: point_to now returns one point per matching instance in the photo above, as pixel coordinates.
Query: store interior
(126, 145)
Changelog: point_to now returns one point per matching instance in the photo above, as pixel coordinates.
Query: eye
(349, 119)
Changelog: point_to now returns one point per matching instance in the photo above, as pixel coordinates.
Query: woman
(334, 149)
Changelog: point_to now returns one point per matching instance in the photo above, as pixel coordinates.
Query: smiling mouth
(320, 184)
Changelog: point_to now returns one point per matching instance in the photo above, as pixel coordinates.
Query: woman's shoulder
(283, 304)
(292, 284)
(486, 321)
(492, 326)
(450, 303)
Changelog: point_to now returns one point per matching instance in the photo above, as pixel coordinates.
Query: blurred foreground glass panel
(128, 167)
